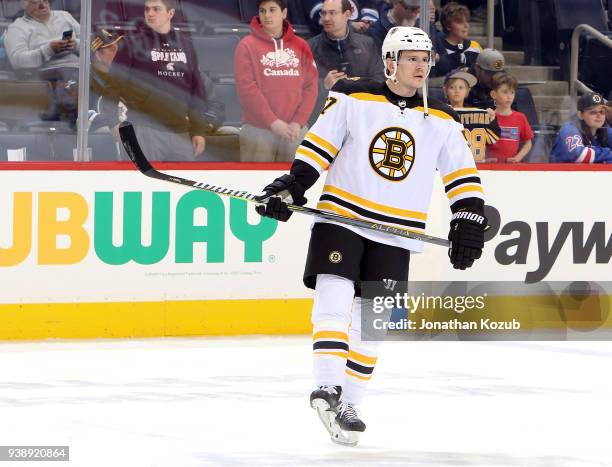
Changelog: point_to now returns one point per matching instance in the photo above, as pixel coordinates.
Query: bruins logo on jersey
(392, 153)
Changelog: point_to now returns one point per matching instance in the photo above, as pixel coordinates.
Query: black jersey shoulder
(357, 85)
(445, 108)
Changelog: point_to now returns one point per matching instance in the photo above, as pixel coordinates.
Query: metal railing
(491, 24)
(575, 83)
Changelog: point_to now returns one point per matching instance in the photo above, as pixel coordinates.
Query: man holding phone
(340, 52)
(46, 42)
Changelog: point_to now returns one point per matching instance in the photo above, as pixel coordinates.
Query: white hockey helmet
(405, 38)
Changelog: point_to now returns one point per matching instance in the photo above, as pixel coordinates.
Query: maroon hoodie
(275, 78)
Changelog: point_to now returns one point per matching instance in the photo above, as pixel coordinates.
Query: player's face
(333, 19)
(503, 96)
(594, 117)
(157, 16)
(460, 29)
(412, 68)
(456, 91)
(271, 17)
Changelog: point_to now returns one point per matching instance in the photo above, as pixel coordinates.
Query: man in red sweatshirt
(276, 80)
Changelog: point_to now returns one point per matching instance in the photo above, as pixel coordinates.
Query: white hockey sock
(331, 315)
(362, 357)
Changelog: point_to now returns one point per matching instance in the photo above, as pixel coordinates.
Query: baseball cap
(491, 60)
(104, 38)
(463, 74)
(590, 99)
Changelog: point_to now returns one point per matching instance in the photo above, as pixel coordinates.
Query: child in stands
(514, 126)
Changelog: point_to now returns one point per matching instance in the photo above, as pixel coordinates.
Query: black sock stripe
(330, 345)
(365, 370)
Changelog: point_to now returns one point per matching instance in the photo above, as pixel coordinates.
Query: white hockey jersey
(382, 154)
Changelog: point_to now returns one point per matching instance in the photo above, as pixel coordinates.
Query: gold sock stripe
(355, 375)
(362, 359)
(342, 355)
(330, 335)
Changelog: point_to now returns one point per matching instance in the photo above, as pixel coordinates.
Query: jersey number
(477, 141)
(328, 103)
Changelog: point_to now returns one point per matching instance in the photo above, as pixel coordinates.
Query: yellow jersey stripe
(493, 135)
(330, 335)
(355, 375)
(361, 358)
(322, 142)
(328, 206)
(370, 204)
(366, 96)
(312, 156)
(475, 45)
(459, 173)
(464, 189)
(436, 112)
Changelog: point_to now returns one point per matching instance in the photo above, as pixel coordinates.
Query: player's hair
(169, 4)
(282, 4)
(499, 79)
(452, 12)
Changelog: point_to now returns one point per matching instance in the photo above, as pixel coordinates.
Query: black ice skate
(324, 400)
(340, 419)
(348, 419)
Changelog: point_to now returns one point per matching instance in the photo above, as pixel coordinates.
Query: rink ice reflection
(244, 401)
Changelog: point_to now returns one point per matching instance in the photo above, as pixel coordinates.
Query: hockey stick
(130, 143)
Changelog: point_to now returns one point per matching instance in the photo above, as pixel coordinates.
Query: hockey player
(381, 143)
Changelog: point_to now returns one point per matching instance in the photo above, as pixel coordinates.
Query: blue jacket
(570, 146)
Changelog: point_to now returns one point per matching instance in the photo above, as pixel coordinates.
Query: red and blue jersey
(570, 146)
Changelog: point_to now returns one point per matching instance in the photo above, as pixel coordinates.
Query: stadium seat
(63, 146)
(595, 63)
(24, 100)
(568, 15)
(12, 9)
(103, 147)
(223, 17)
(435, 92)
(216, 54)
(73, 7)
(225, 92)
(37, 147)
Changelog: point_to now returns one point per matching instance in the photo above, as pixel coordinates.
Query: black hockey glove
(277, 194)
(466, 235)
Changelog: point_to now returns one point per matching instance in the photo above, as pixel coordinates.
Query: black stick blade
(130, 143)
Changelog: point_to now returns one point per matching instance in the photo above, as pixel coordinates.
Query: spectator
(276, 79)
(36, 42)
(363, 14)
(341, 53)
(479, 126)
(488, 63)
(395, 13)
(456, 49)
(586, 138)
(104, 48)
(156, 76)
(514, 125)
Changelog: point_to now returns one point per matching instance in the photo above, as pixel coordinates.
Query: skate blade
(328, 418)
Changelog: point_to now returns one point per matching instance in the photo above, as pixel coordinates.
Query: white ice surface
(243, 401)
